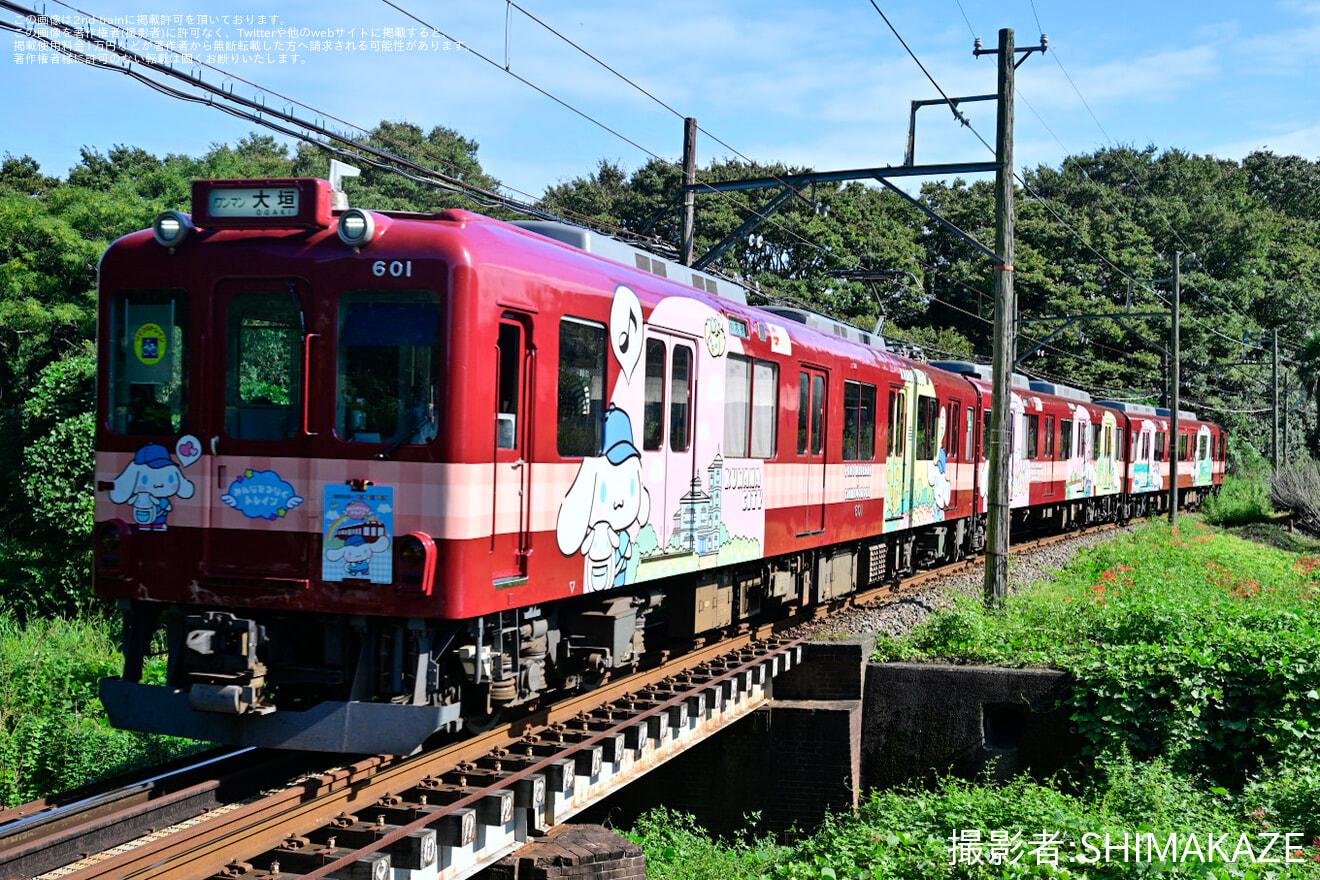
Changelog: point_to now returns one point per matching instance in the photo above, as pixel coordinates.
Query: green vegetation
(53, 733)
(1196, 659)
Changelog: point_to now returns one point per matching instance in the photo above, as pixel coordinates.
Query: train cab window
(1065, 439)
(897, 422)
(680, 399)
(858, 421)
(582, 348)
(148, 362)
(1033, 437)
(263, 365)
(653, 409)
(388, 366)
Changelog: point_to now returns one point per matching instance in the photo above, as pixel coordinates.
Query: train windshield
(148, 366)
(263, 389)
(389, 366)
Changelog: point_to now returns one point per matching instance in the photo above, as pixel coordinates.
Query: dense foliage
(53, 732)
(1197, 688)
(852, 250)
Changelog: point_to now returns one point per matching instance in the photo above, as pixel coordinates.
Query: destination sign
(262, 201)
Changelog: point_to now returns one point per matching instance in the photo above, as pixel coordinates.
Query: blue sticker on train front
(261, 495)
(359, 528)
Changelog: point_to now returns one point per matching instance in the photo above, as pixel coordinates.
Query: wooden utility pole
(1005, 342)
(1174, 397)
(689, 195)
(1274, 342)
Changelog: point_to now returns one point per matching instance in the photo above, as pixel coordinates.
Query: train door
(258, 434)
(812, 413)
(667, 427)
(898, 467)
(511, 516)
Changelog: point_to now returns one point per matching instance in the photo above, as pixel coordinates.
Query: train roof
(629, 255)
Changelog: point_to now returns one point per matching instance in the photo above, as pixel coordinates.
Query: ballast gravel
(896, 618)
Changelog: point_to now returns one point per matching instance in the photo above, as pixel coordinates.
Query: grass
(53, 732)
(1196, 662)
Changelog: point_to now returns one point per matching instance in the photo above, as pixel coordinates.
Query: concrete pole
(689, 196)
(1005, 342)
(1174, 397)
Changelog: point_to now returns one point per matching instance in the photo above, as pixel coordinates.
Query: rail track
(446, 813)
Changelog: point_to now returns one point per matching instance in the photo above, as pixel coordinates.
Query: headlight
(356, 227)
(171, 228)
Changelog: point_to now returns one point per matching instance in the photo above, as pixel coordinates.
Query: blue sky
(821, 85)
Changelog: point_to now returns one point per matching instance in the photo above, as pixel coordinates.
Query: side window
(509, 389)
(1065, 438)
(970, 445)
(263, 366)
(1161, 442)
(928, 425)
(1033, 435)
(737, 406)
(817, 415)
(680, 399)
(1049, 437)
(804, 411)
(858, 421)
(985, 435)
(582, 348)
(1095, 441)
(1182, 447)
(653, 410)
(765, 409)
(148, 362)
(389, 366)
(952, 432)
(897, 422)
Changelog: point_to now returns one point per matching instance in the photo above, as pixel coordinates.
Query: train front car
(364, 477)
(271, 388)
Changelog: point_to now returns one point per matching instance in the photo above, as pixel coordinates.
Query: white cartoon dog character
(606, 499)
(356, 554)
(148, 483)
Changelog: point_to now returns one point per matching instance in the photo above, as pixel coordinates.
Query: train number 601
(393, 268)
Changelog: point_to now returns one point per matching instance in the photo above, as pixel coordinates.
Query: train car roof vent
(635, 257)
(984, 372)
(1061, 391)
(826, 324)
(1136, 409)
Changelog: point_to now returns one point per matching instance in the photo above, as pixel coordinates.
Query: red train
(368, 476)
